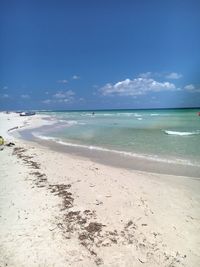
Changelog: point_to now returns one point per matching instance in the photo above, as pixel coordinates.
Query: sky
(108, 54)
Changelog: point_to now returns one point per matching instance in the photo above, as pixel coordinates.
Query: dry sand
(62, 210)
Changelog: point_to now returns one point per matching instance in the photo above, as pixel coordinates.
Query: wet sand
(116, 159)
(61, 209)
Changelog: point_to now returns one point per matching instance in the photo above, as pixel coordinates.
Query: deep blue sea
(171, 135)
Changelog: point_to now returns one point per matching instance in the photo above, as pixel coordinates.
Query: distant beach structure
(27, 113)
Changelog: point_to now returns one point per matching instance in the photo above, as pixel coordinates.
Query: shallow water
(163, 135)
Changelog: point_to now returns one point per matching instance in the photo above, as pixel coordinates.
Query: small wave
(43, 137)
(182, 133)
(72, 122)
(105, 115)
(86, 115)
(128, 114)
(154, 114)
(97, 114)
(124, 153)
(137, 115)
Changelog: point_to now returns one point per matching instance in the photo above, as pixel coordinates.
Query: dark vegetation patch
(94, 227)
(93, 234)
(61, 190)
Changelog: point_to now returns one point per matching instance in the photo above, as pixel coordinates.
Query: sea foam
(124, 153)
(182, 133)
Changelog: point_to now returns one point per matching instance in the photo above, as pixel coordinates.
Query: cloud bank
(137, 86)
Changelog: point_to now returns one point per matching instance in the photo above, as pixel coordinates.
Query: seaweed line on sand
(94, 235)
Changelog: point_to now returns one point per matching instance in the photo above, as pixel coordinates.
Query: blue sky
(99, 54)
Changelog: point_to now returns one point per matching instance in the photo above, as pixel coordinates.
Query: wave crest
(182, 133)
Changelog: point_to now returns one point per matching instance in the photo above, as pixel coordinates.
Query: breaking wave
(182, 133)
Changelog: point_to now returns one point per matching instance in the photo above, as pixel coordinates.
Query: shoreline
(116, 158)
(91, 214)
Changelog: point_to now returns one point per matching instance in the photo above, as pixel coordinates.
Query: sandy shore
(62, 210)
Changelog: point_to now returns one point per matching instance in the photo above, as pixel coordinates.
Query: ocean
(165, 135)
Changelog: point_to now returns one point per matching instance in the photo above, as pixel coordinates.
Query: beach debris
(98, 202)
(14, 128)
(88, 212)
(1, 141)
(19, 151)
(94, 227)
(129, 224)
(93, 234)
(10, 144)
(61, 190)
(98, 261)
(142, 261)
(41, 178)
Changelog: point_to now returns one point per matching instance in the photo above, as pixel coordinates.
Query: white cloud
(145, 75)
(5, 87)
(47, 101)
(75, 77)
(5, 96)
(137, 86)
(62, 81)
(25, 96)
(66, 100)
(171, 75)
(64, 94)
(191, 88)
(60, 97)
(174, 76)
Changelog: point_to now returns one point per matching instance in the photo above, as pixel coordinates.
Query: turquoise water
(165, 135)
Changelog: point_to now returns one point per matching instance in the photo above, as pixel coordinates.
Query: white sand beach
(58, 209)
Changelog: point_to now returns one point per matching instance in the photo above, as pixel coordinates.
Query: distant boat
(27, 113)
